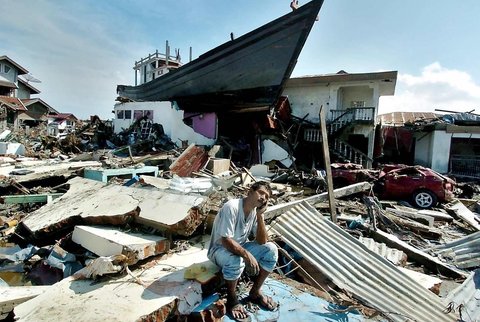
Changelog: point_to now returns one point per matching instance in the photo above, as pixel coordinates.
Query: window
(147, 114)
(120, 114)
(138, 114)
(128, 115)
(356, 104)
(6, 69)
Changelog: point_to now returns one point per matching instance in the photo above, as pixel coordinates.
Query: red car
(344, 174)
(422, 186)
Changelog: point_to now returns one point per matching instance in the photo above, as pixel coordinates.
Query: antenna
(29, 78)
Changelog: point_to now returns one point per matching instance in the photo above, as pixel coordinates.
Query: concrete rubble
(125, 237)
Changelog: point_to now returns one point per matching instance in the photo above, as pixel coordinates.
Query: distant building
(61, 124)
(155, 65)
(17, 106)
(446, 143)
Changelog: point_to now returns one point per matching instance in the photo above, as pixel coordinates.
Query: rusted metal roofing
(400, 118)
(191, 160)
(466, 298)
(64, 116)
(464, 252)
(353, 267)
(13, 103)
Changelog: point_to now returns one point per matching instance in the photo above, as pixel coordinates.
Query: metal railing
(341, 118)
(350, 153)
(465, 166)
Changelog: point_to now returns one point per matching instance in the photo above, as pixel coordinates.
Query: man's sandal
(264, 301)
(238, 307)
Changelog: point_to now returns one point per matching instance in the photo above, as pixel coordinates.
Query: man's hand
(261, 209)
(252, 263)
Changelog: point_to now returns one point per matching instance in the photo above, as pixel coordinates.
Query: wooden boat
(245, 73)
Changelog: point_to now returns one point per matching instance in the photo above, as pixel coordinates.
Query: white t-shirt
(232, 222)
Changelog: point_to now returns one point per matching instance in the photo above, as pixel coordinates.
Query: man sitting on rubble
(231, 250)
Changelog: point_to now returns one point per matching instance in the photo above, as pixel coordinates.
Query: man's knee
(270, 250)
(233, 268)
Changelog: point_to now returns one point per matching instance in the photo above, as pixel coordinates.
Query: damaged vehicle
(344, 174)
(422, 186)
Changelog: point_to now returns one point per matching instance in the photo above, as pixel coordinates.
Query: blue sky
(82, 49)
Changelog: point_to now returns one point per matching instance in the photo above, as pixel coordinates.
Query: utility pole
(328, 169)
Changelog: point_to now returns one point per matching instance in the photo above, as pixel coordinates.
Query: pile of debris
(100, 236)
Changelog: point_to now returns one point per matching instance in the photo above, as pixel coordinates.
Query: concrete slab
(15, 295)
(38, 170)
(464, 213)
(93, 202)
(108, 241)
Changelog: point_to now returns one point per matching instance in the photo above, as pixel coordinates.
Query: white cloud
(436, 87)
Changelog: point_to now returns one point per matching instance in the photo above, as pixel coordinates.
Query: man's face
(261, 196)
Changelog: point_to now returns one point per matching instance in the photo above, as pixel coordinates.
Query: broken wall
(166, 114)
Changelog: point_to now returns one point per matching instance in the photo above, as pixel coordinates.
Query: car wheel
(424, 199)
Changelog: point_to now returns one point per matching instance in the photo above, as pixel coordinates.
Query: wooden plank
(277, 210)
(424, 219)
(432, 263)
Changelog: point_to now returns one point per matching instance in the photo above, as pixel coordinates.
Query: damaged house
(351, 103)
(448, 143)
(351, 108)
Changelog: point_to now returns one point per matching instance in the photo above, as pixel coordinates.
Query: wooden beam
(328, 169)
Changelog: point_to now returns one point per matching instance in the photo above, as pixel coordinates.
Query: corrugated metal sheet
(401, 118)
(466, 298)
(351, 266)
(464, 252)
(395, 256)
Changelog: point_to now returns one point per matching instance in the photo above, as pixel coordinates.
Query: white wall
(170, 118)
(307, 100)
(433, 149)
(440, 147)
(423, 148)
(358, 93)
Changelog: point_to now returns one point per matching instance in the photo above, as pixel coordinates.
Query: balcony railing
(353, 114)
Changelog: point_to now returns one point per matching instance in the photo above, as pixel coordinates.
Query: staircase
(341, 119)
(349, 153)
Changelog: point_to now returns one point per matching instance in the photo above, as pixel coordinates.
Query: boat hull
(248, 72)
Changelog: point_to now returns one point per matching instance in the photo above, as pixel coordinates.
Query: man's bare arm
(261, 236)
(235, 248)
